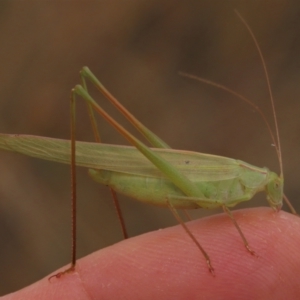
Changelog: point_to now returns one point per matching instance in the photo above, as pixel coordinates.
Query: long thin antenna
(277, 145)
(234, 93)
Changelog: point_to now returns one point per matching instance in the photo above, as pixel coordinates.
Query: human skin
(166, 264)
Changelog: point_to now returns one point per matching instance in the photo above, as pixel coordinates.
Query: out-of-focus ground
(136, 49)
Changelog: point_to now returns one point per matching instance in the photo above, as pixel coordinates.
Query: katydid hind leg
(154, 140)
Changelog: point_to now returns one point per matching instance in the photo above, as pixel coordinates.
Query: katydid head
(274, 190)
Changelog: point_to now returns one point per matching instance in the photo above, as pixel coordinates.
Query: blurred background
(136, 49)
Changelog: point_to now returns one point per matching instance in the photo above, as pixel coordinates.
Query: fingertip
(166, 264)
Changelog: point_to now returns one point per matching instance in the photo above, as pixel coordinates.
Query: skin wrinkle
(83, 284)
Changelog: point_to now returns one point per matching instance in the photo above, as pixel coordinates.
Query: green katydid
(172, 178)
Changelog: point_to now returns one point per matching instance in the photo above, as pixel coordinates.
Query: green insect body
(221, 180)
(160, 176)
(239, 183)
